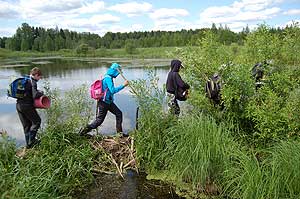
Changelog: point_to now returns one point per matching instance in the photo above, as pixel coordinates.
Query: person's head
(176, 65)
(36, 73)
(114, 70)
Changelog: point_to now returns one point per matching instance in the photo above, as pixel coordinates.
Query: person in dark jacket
(177, 89)
(28, 115)
(107, 102)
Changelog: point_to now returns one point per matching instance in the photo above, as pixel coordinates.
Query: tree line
(29, 38)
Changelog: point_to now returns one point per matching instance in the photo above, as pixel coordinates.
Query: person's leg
(102, 111)
(25, 123)
(33, 116)
(119, 116)
(173, 105)
(176, 108)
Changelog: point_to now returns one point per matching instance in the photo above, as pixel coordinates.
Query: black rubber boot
(85, 130)
(27, 138)
(32, 139)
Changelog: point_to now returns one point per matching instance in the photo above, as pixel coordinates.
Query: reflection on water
(67, 73)
(132, 187)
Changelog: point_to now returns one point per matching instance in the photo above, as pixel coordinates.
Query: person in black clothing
(28, 115)
(177, 89)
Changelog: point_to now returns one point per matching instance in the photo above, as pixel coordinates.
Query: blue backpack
(17, 87)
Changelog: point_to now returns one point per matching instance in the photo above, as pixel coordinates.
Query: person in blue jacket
(106, 103)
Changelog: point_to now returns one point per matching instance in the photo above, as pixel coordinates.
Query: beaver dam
(117, 175)
(118, 151)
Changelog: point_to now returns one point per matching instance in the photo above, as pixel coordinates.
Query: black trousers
(30, 119)
(102, 111)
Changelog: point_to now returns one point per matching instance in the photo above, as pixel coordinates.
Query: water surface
(67, 73)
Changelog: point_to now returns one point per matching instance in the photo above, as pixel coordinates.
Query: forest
(30, 38)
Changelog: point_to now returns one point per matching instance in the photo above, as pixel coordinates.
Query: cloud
(118, 28)
(239, 12)
(58, 9)
(164, 13)
(7, 32)
(94, 23)
(255, 5)
(171, 24)
(8, 11)
(132, 8)
(292, 12)
(169, 19)
(105, 18)
(34, 7)
(94, 7)
(293, 22)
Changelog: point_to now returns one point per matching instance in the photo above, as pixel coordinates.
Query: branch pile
(117, 151)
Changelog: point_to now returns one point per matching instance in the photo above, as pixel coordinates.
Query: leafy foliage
(264, 115)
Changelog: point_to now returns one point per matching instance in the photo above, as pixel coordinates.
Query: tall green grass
(196, 152)
(197, 149)
(276, 175)
(61, 165)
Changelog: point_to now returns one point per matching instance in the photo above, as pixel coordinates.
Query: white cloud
(132, 8)
(94, 7)
(58, 9)
(293, 22)
(172, 24)
(292, 12)
(119, 28)
(255, 5)
(35, 7)
(93, 23)
(7, 32)
(8, 11)
(239, 12)
(169, 19)
(164, 13)
(105, 18)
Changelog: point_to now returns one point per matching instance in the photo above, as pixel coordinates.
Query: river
(66, 73)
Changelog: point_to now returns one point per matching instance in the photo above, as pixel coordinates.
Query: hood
(175, 65)
(112, 71)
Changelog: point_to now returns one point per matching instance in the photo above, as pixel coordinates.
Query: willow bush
(264, 116)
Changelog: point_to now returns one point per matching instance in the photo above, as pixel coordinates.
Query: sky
(98, 16)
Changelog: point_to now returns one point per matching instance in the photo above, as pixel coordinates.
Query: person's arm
(180, 82)
(35, 92)
(111, 87)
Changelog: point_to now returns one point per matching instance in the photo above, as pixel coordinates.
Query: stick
(128, 163)
(132, 89)
(97, 112)
(113, 160)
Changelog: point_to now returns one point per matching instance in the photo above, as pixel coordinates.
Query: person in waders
(29, 117)
(106, 103)
(177, 89)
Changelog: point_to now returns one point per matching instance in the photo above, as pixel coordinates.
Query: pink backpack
(96, 90)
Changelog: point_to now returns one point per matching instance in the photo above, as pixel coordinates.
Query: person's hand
(126, 83)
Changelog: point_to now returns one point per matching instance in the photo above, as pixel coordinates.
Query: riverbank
(66, 164)
(139, 53)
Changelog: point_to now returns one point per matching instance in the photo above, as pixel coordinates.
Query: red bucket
(42, 102)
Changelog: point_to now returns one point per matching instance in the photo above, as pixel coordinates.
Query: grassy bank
(62, 165)
(204, 157)
(155, 52)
